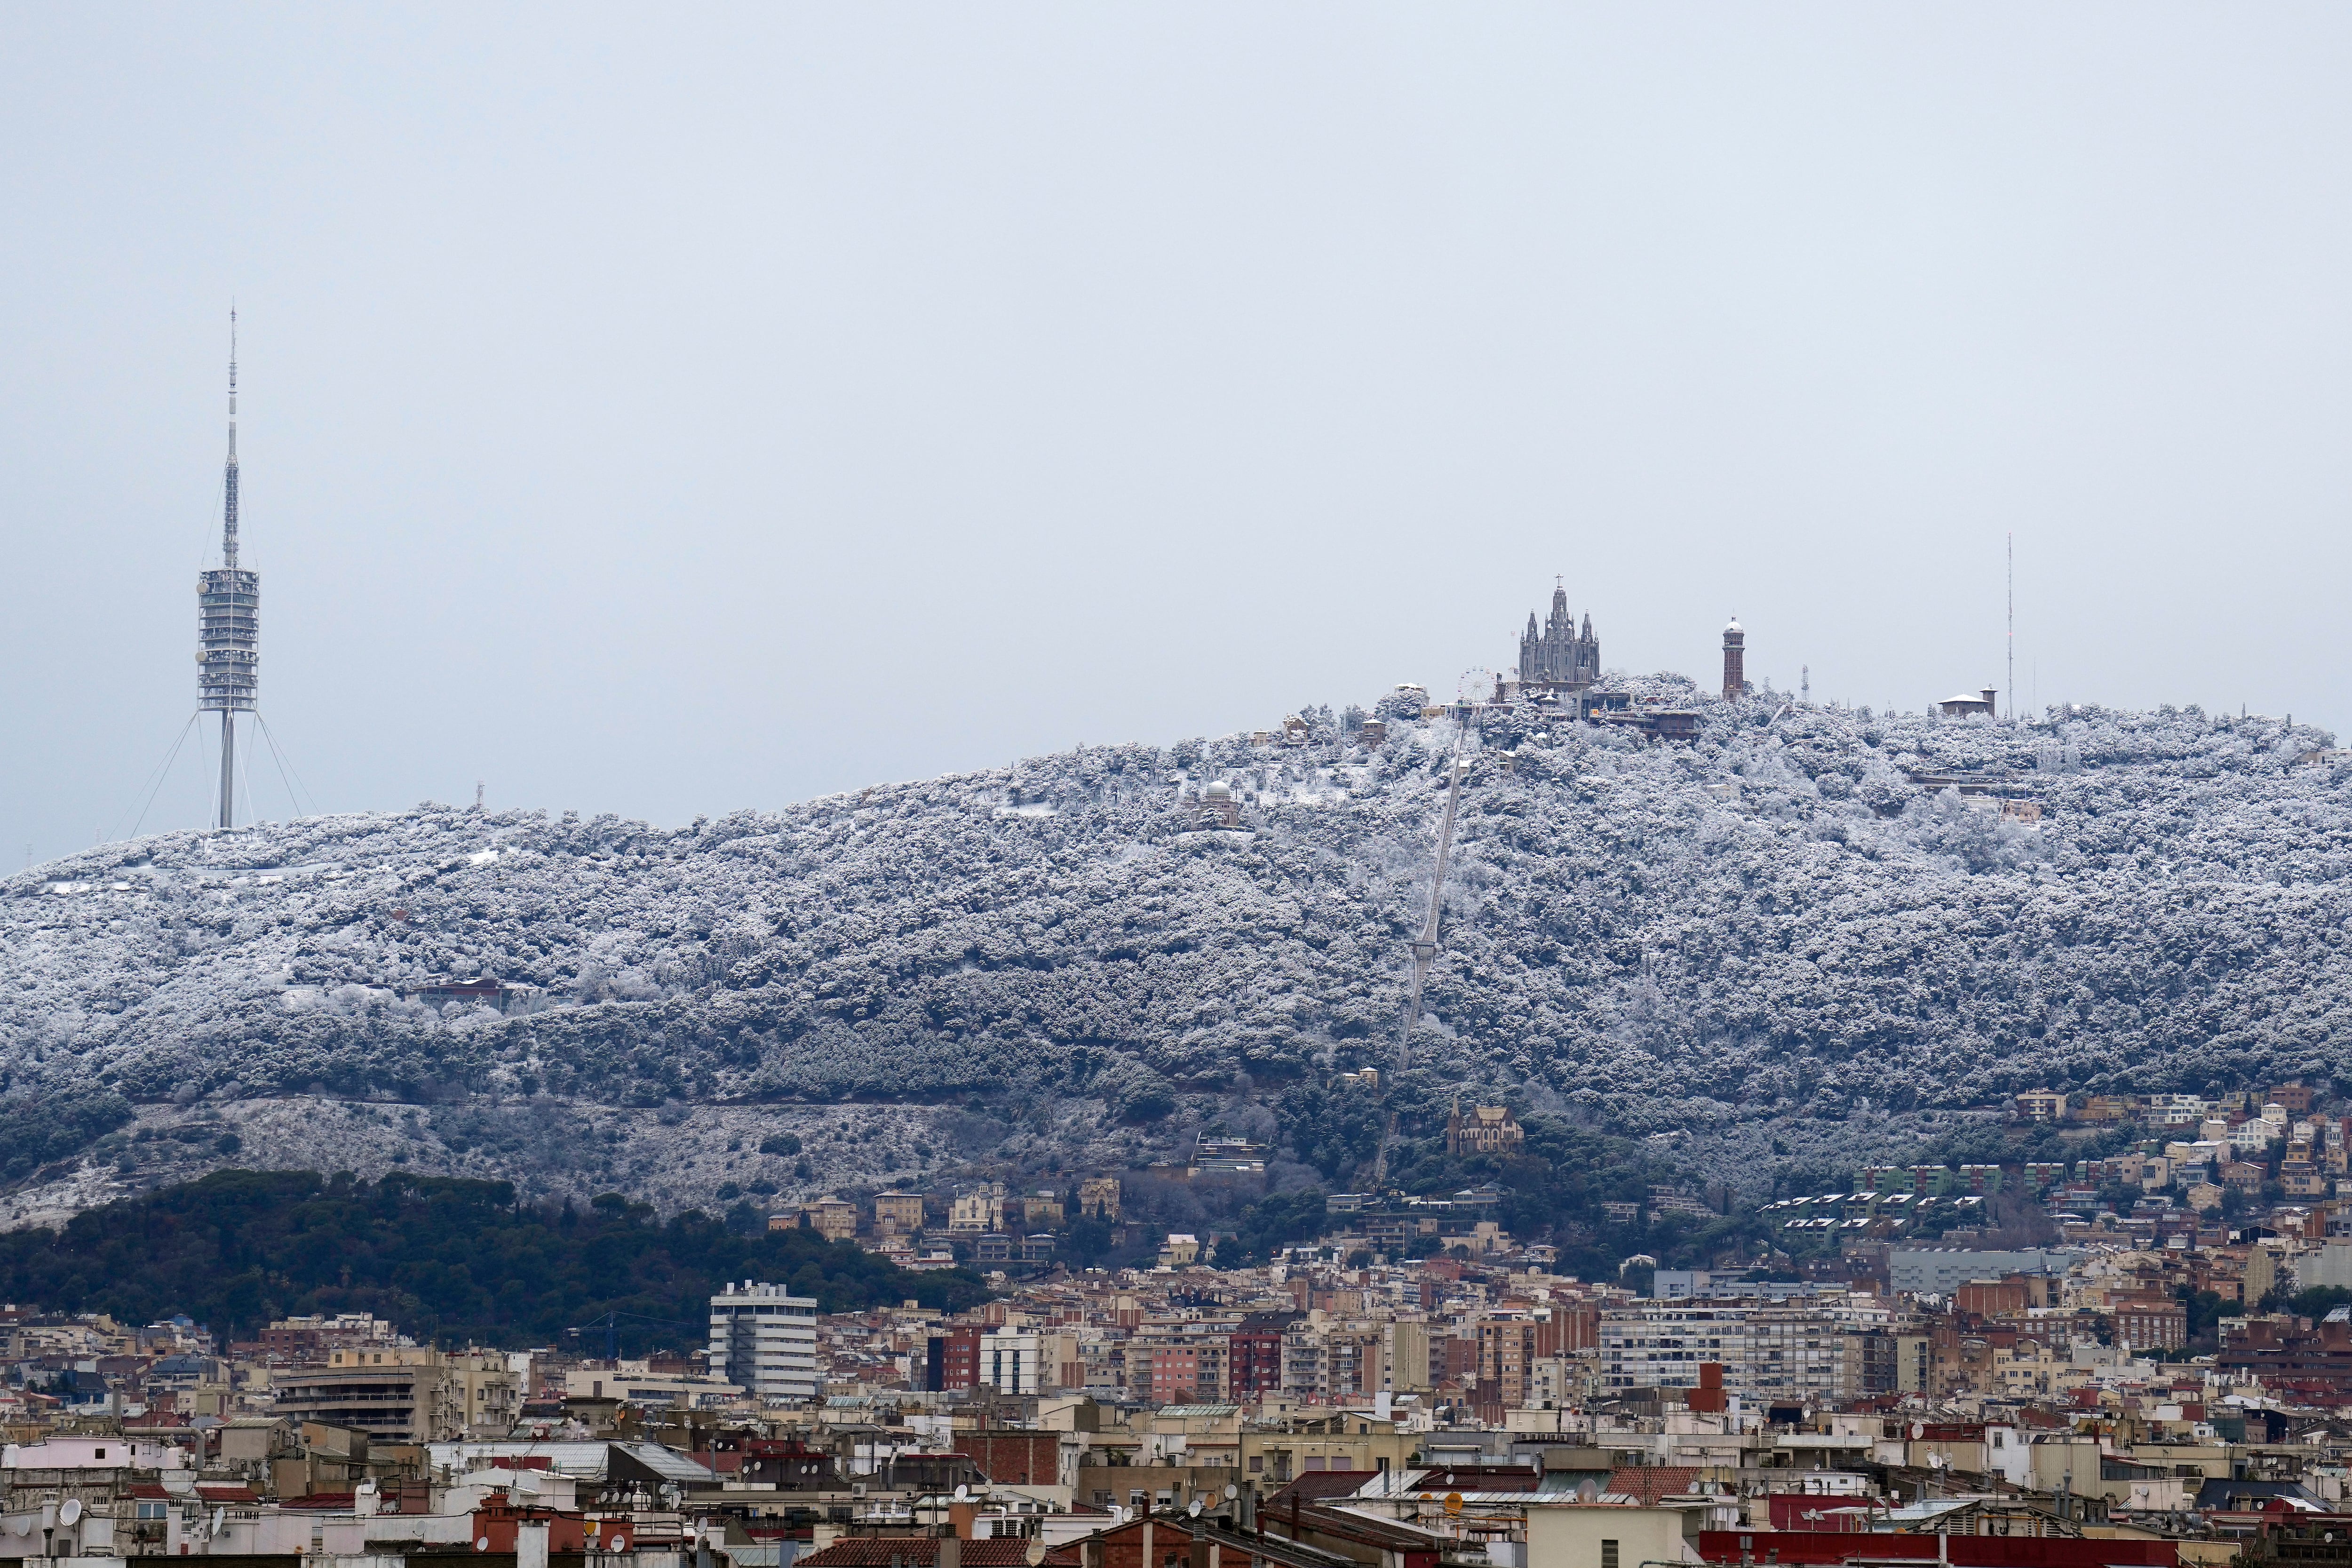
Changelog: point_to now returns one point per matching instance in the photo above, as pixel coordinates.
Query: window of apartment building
(1608, 1554)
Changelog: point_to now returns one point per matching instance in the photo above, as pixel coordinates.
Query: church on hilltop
(1487, 1130)
(1556, 655)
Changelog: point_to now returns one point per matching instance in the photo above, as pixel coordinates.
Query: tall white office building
(764, 1341)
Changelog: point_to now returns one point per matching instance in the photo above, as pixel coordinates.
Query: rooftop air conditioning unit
(858, 1488)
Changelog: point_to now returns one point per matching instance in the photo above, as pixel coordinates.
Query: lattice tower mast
(228, 621)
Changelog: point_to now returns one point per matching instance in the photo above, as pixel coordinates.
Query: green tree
(1274, 1222)
(450, 1260)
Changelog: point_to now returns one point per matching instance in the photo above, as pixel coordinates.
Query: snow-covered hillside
(1770, 935)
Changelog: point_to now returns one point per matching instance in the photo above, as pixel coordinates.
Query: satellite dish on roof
(1588, 1491)
(69, 1510)
(1035, 1555)
(1193, 1508)
(1232, 1492)
(481, 1543)
(963, 1494)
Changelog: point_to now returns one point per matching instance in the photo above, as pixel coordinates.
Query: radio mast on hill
(229, 620)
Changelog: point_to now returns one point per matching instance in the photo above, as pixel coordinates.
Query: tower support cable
(286, 770)
(151, 784)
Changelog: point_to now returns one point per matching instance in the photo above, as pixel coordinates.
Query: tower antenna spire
(228, 488)
(2012, 626)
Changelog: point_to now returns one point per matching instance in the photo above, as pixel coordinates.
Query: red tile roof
(923, 1551)
(1648, 1483)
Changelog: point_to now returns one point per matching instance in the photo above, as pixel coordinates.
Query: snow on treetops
(1787, 930)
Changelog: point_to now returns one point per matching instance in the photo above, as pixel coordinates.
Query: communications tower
(228, 621)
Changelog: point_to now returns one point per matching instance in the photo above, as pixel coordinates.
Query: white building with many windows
(1014, 1361)
(1833, 1348)
(765, 1339)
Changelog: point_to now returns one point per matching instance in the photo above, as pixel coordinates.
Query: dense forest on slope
(450, 1261)
(1774, 943)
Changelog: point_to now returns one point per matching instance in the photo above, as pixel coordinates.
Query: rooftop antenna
(229, 620)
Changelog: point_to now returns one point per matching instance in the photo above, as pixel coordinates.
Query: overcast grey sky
(664, 410)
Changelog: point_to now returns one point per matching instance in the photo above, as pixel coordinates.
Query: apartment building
(1253, 1363)
(1025, 1362)
(1355, 1360)
(834, 1218)
(1407, 1347)
(405, 1394)
(1507, 1356)
(899, 1211)
(1788, 1353)
(764, 1339)
(1304, 1375)
(1171, 1368)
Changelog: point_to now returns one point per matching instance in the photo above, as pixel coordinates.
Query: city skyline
(638, 468)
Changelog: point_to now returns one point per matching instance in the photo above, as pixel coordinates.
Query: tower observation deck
(228, 621)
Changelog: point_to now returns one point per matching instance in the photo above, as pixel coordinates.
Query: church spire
(1552, 652)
